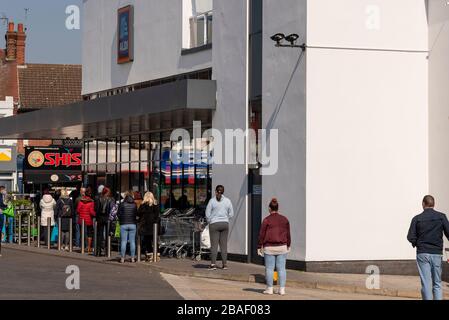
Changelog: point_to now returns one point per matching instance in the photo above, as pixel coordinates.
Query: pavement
(390, 286)
(194, 288)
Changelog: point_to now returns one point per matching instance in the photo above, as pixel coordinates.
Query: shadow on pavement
(201, 266)
(253, 290)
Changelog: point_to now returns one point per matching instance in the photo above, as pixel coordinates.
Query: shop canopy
(159, 108)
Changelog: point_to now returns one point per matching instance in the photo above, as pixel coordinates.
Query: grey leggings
(219, 234)
(65, 237)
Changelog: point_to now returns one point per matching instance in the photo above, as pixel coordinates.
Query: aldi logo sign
(125, 34)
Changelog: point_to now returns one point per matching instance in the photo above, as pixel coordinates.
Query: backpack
(66, 210)
(113, 211)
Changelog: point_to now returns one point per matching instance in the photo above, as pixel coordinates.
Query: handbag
(9, 211)
(54, 233)
(117, 230)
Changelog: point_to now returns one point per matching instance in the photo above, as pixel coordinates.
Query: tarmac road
(25, 275)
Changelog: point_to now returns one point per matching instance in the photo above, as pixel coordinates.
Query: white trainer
(282, 291)
(268, 290)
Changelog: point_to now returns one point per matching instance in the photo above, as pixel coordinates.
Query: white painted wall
(187, 12)
(380, 24)
(284, 109)
(229, 69)
(439, 103)
(157, 44)
(367, 130)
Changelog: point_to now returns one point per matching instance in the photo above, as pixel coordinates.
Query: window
(201, 30)
(197, 23)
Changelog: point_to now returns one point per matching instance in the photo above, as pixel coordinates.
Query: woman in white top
(48, 206)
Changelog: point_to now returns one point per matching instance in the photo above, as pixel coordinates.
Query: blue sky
(48, 39)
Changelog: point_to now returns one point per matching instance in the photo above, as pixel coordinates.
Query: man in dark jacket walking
(426, 234)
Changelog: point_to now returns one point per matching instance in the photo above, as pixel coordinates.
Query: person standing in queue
(128, 218)
(65, 211)
(76, 201)
(148, 214)
(274, 245)
(2, 217)
(103, 209)
(86, 212)
(48, 206)
(218, 213)
(426, 234)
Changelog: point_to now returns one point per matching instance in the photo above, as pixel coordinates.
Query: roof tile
(49, 85)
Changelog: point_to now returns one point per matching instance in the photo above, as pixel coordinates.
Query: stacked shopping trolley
(182, 233)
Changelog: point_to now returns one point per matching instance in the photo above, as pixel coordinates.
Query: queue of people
(132, 214)
(137, 214)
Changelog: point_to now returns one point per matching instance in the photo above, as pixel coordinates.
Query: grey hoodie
(219, 211)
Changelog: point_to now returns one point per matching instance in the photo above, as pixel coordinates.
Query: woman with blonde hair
(148, 215)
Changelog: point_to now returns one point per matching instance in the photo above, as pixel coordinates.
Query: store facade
(142, 163)
(350, 111)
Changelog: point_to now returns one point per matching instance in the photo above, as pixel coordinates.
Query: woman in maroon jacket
(86, 211)
(274, 245)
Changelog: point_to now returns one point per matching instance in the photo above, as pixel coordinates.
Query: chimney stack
(20, 45)
(11, 40)
(15, 43)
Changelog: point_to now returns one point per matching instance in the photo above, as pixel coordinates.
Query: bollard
(139, 249)
(38, 232)
(48, 233)
(19, 216)
(109, 239)
(29, 230)
(155, 245)
(71, 235)
(95, 237)
(59, 233)
(82, 236)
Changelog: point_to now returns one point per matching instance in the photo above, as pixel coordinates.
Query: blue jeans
(429, 267)
(10, 230)
(128, 232)
(278, 261)
(77, 232)
(2, 221)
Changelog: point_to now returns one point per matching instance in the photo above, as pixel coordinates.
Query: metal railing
(36, 237)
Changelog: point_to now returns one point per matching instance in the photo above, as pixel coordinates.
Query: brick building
(27, 87)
